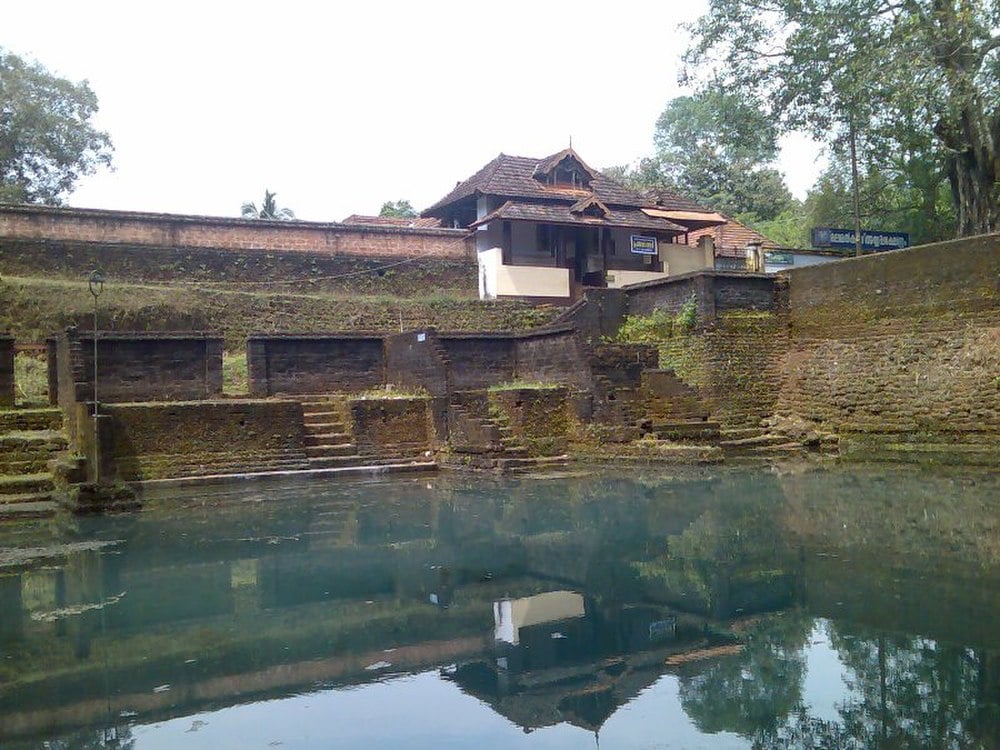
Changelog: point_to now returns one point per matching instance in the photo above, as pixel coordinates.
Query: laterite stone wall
(162, 440)
(900, 352)
(392, 427)
(314, 363)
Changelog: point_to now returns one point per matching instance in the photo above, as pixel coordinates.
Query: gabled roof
(553, 213)
(584, 206)
(732, 238)
(545, 167)
(513, 177)
(393, 221)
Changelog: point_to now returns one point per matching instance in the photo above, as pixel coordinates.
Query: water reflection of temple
(553, 604)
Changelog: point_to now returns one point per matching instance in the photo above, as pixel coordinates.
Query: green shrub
(647, 329)
(687, 317)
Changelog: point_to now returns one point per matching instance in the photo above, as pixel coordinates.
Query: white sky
(338, 107)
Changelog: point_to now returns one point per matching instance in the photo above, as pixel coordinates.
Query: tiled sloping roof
(556, 214)
(393, 221)
(675, 202)
(732, 238)
(511, 177)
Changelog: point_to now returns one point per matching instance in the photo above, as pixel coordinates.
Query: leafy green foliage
(647, 329)
(400, 209)
(47, 141)
(918, 77)
(687, 317)
(268, 210)
(660, 325)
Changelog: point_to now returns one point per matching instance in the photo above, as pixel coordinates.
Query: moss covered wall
(900, 352)
(157, 440)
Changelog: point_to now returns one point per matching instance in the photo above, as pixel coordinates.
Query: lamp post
(96, 284)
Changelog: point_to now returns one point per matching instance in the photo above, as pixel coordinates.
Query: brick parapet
(46, 223)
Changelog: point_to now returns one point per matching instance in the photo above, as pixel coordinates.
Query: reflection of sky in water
(426, 712)
(823, 688)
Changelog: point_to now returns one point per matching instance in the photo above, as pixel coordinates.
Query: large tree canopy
(894, 71)
(401, 209)
(47, 141)
(717, 150)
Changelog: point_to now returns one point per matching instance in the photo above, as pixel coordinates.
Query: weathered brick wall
(715, 293)
(295, 270)
(179, 231)
(415, 359)
(160, 440)
(598, 315)
(944, 279)
(479, 360)
(553, 356)
(314, 363)
(387, 428)
(148, 366)
(735, 364)
(539, 418)
(900, 351)
(6, 371)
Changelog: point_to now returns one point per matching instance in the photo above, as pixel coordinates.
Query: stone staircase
(487, 442)
(328, 440)
(757, 441)
(29, 440)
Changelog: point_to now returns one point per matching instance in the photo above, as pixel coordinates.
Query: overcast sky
(339, 107)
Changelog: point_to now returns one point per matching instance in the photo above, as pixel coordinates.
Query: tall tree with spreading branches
(47, 137)
(887, 72)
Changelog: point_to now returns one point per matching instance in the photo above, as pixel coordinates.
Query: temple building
(546, 228)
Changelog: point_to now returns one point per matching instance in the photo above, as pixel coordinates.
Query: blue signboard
(844, 238)
(644, 245)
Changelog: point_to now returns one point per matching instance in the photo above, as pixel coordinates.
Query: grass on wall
(34, 308)
(31, 379)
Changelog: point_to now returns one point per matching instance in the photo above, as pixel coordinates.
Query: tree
(398, 209)
(717, 150)
(47, 139)
(268, 209)
(883, 74)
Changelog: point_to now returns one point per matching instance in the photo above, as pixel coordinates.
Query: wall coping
(667, 281)
(148, 335)
(148, 216)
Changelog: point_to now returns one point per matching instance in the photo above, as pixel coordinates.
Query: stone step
(322, 417)
(331, 449)
(19, 463)
(18, 485)
(45, 440)
(688, 430)
(761, 441)
(31, 419)
(326, 438)
(330, 462)
(25, 510)
(742, 433)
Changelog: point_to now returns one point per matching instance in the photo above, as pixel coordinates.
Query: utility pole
(854, 187)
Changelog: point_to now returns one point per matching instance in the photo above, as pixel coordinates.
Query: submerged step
(18, 485)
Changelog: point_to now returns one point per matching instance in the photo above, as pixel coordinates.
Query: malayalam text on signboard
(644, 245)
(844, 238)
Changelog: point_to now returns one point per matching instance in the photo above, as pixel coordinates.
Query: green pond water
(795, 607)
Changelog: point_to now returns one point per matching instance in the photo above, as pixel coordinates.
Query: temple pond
(683, 608)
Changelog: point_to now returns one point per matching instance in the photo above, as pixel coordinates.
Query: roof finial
(571, 141)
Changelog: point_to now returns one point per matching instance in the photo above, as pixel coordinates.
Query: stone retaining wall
(314, 363)
(157, 440)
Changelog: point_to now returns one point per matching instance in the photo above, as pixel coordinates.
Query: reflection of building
(546, 227)
(559, 658)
